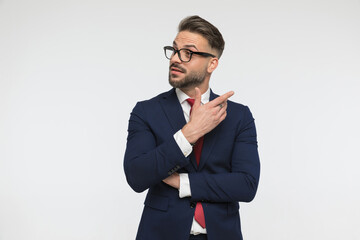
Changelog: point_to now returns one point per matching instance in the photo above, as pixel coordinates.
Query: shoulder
(237, 106)
(152, 105)
(157, 98)
(239, 112)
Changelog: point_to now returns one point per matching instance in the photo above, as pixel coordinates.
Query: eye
(186, 53)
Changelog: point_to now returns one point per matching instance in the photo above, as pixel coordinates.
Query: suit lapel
(173, 110)
(175, 115)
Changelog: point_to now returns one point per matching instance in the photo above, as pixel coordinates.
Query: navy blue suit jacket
(228, 171)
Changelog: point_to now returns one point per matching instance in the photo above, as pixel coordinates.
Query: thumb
(197, 102)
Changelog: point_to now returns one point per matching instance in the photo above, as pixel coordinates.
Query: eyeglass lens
(184, 54)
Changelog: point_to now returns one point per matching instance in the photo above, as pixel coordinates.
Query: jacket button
(192, 204)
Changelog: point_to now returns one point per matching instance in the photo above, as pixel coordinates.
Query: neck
(190, 91)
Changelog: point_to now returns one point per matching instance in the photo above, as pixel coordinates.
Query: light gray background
(71, 72)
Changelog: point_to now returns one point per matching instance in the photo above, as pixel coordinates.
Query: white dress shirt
(186, 148)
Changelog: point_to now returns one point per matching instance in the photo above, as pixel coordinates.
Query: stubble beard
(192, 80)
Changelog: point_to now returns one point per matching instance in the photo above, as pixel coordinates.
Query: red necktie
(199, 211)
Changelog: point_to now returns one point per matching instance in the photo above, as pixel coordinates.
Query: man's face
(193, 73)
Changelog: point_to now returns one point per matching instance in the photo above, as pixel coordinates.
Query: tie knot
(190, 101)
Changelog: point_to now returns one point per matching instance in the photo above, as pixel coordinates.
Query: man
(196, 152)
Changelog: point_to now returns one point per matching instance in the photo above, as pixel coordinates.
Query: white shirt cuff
(183, 143)
(184, 190)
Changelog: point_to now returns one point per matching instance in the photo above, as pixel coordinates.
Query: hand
(173, 180)
(205, 118)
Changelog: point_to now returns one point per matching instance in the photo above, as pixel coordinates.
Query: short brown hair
(199, 25)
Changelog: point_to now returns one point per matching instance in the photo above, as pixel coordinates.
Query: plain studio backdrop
(71, 71)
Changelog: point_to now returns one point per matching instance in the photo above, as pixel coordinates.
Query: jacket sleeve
(241, 183)
(145, 162)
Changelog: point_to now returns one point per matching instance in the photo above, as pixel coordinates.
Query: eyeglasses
(184, 54)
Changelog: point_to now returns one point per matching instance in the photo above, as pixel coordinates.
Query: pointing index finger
(221, 99)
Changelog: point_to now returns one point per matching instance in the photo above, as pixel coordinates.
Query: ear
(213, 63)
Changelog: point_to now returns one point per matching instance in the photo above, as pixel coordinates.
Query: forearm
(144, 169)
(223, 187)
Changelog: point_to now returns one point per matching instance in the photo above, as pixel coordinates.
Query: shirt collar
(182, 96)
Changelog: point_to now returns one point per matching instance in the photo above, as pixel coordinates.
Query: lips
(177, 69)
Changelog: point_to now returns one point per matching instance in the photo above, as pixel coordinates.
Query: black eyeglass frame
(191, 53)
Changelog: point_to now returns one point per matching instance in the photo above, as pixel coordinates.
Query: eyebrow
(187, 46)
